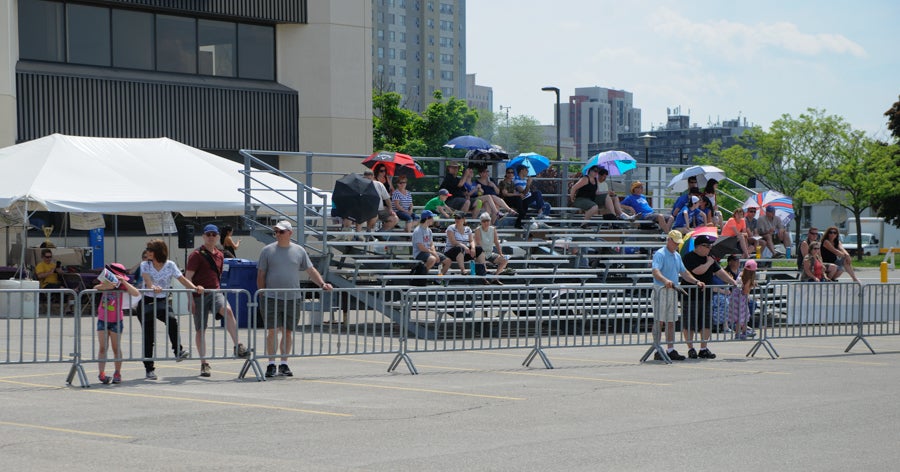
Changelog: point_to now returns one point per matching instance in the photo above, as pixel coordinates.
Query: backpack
(418, 269)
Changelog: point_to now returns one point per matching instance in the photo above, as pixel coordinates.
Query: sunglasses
(210, 234)
(401, 183)
(47, 257)
(704, 245)
(280, 231)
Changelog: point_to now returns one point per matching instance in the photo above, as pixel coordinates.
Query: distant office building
(419, 46)
(678, 142)
(597, 115)
(478, 97)
(221, 76)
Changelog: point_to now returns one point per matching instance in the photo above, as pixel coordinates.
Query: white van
(870, 243)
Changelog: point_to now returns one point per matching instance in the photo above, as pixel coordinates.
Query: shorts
(696, 309)
(665, 304)
(423, 256)
(404, 216)
(206, 303)
(492, 257)
(278, 313)
(384, 215)
(455, 250)
(455, 203)
(584, 204)
(111, 326)
(649, 216)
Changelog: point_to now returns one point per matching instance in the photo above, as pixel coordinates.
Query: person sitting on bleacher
(735, 236)
(486, 239)
(690, 217)
(438, 204)
(453, 184)
(423, 244)
(638, 203)
(591, 191)
(460, 246)
(684, 198)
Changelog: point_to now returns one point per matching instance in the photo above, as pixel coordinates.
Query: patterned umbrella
(784, 205)
(616, 162)
(395, 164)
(688, 244)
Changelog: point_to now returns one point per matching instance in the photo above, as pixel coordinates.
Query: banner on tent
(86, 221)
(159, 222)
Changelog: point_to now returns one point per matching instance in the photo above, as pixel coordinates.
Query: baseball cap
(770, 209)
(676, 236)
(702, 239)
(485, 217)
(284, 225)
(444, 191)
(425, 215)
(453, 164)
(211, 229)
(750, 265)
(695, 199)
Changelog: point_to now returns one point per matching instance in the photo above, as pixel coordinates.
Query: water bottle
(787, 251)
(472, 267)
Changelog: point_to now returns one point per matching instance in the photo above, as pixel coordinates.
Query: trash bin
(19, 304)
(239, 274)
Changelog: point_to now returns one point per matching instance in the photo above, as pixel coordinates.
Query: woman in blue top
(642, 209)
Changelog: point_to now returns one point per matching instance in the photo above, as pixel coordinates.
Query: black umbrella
(494, 153)
(355, 197)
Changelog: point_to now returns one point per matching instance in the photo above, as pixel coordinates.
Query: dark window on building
(256, 52)
(216, 48)
(87, 35)
(132, 42)
(41, 30)
(176, 44)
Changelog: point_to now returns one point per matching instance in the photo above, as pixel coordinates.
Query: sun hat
(485, 217)
(676, 236)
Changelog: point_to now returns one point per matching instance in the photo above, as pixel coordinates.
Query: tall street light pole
(507, 140)
(565, 170)
(647, 139)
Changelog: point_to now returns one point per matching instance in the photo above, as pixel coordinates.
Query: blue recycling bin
(239, 274)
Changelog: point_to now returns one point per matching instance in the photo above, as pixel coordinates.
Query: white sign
(159, 222)
(86, 221)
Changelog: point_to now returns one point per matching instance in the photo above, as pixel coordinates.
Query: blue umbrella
(535, 163)
(468, 142)
(616, 162)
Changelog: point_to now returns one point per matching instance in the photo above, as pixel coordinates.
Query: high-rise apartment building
(479, 97)
(597, 114)
(419, 46)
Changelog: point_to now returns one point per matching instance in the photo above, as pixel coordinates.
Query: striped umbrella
(784, 205)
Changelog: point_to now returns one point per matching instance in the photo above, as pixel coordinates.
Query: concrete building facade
(597, 115)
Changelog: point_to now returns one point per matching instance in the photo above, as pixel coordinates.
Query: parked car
(870, 244)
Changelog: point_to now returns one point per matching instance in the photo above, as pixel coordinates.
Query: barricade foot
(257, 370)
(766, 344)
(537, 352)
(409, 363)
(77, 368)
(855, 340)
(659, 350)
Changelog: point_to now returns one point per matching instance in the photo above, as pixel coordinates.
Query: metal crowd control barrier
(343, 321)
(172, 313)
(39, 327)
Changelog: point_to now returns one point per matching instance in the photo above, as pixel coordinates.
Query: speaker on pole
(186, 237)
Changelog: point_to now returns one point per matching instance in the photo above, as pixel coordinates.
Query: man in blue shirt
(667, 266)
(642, 209)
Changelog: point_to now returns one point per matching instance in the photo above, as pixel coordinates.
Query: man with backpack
(204, 268)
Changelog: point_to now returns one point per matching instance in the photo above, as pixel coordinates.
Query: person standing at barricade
(158, 272)
(696, 308)
(204, 268)
(739, 304)
(279, 267)
(667, 266)
(109, 319)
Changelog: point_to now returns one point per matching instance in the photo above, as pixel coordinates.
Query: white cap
(695, 199)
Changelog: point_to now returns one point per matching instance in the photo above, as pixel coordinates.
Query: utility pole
(502, 108)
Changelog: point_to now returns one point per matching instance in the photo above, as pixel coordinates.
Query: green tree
(523, 134)
(442, 121)
(393, 127)
(789, 158)
(886, 202)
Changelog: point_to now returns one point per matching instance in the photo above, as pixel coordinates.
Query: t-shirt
(694, 216)
(692, 260)
(282, 266)
(764, 225)
(669, 264)
(382, 194)
(162, 277)
(461, 237)
(405, 199)
(434, 203)
(204, 274)
(733, 227)
(639, 203)
(110, 307)
(53, 278)
(422, 234)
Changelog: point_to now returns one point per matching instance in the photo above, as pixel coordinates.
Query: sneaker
(205, 370)
(706, 354)
(284, 370)
(656, 356)
(151, 375)
(675, 356)
(778, 255)
(105, 379)
(692, 353)
(270, 371)
(241, 351)
(182, 355)
(117, 378)
(626, 217)
(740, 336)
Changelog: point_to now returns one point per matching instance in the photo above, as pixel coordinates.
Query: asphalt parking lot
(815, 408)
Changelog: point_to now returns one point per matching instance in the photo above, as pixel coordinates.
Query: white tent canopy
(129, 176)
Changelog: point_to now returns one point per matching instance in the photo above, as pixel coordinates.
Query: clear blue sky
(718, 59)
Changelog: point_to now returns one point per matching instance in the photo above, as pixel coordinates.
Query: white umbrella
(703, 174)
